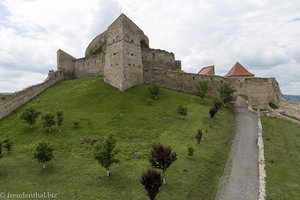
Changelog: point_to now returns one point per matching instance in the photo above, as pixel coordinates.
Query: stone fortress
(121, 55)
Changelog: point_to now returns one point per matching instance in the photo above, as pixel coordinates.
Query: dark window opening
(132, 54)
(129, 64)
(221, 82)
(115, 54)
(193, 77)
(131, 41)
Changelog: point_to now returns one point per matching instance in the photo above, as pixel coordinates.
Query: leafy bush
(212, 112)
(161, 157)
(48, 121)
(154, 90)
(198, 136)
(182, 111)
(76, 124)
(105, 153)
(202, 89)
(191, 150)
(43, 153)
(273, 106)
(152, 181)
(218, 103)
(30, 116)
(226, 93)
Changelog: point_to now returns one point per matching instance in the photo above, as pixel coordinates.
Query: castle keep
(121, 55)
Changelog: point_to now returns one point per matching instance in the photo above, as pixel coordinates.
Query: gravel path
(241, 174)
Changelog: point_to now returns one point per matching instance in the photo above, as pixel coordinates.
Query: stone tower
(123, 60)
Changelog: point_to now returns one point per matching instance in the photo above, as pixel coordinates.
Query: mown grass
(74, 174)
(282, 146)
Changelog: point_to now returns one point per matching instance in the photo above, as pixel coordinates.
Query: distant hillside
(295, 98)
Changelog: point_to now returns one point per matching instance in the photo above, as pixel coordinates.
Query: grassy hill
(282, 145)
(74, 174)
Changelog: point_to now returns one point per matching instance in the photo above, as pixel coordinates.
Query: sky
(263, 35)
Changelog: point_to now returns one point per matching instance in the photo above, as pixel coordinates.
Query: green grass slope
(74, 174)
(282, 146)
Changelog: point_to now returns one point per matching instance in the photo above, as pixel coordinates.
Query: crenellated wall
(260, 91)
(9, 103)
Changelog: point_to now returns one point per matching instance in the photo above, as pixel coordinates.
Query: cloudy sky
(264, 35)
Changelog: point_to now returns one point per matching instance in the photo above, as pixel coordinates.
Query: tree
(30, 116)
(202, 89)
(154, 91)
(212, 112)
(161, 157)
(48, 121)
(226, 93)
(105, 153)
(152, 181)
(218, 103)
(182, 111)
(43, 153)
(59, 119)
(198, 136)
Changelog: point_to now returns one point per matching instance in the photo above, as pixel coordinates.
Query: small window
(131, 41)
(115, 54)
(221, 82)
(193, 77)
(129, 64)
(132, 54)
(111, 65)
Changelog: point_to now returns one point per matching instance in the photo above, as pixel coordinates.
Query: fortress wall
(9, 103)
(260, 91)
(90, 66)
(156, 58)
(65, 63)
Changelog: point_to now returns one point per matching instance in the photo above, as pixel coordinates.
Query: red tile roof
(207, 70)
(238, 70)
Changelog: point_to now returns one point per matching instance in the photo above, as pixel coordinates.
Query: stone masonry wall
(89, 66)
(9, 103)
(260, 91)
(156, 58)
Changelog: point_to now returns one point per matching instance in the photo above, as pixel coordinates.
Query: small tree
(212, 112)
(202, 89)
(105, 153)
(59, 119)
(198, 136)
(218, 103)
(161, 157)
(48, 121)
(30, 116)
(154, 90)
(191, 150)
(152, 181)
(43, 153)
(182, 111)
(226, 93)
